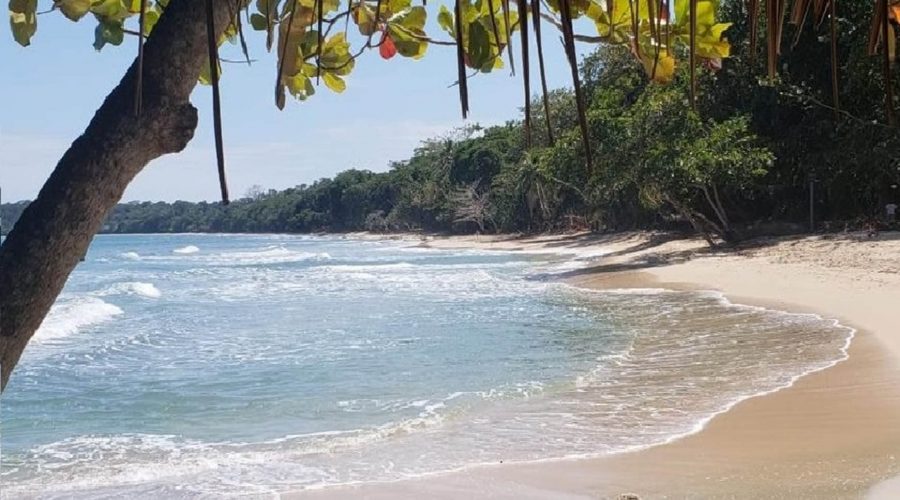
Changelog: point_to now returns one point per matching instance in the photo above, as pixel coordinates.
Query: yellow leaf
(74, 9)
(717, 29)
(334, 82)
(663, 70)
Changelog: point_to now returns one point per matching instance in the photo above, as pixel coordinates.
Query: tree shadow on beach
(636, 251)
(641, 241)
(648, 261)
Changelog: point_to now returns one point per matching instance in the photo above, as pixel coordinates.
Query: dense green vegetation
(745, 155)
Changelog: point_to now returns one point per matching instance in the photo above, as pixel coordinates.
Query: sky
(53, 87)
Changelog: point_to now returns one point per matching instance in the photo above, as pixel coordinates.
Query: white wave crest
(71, 316)
(130, 255)
(148, 290)
(186, 250)
(364, 268)
(268, 255)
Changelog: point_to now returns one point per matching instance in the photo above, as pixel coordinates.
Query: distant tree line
(746, 155)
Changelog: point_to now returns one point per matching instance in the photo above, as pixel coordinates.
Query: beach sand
(833, 434)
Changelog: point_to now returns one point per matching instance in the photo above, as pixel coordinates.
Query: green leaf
(300, 86)
(365, 19)
(413, 19)
(268, 10)
(151, 17)
(445, 20)
(110, 11)
(206, 77)
(334, 82)
(398, 5)
(73, 9)
(23, 20)
(336, 55)
(407, 32)
(258, 21)
(615, 24)
(407, 45)
(327, 7)
(107, 32)
(309, 69)
(481, 55)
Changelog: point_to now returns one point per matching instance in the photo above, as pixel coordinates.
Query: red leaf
(387, 49)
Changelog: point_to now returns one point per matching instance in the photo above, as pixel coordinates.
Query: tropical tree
(693, 161)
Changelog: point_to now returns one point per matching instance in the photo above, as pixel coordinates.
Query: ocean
(186, 366)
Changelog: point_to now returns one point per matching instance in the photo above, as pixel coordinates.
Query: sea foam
(142, 289)
(70, 316)
(275, 254)
(186, 250)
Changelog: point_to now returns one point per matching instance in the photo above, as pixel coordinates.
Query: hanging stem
(504, 4)
(217, 105)
(279, 95)
(240, 31)
(461, 61)
(569, 45)
(494, 27)
(139, 72)
(536, 20)
(321, 38)
(523, 30)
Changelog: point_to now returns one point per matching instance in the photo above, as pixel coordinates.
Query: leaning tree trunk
(691, 216)
(56, 229)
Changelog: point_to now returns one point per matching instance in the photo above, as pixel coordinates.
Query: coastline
(834, 433)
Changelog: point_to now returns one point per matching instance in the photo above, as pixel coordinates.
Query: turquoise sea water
(213, 365)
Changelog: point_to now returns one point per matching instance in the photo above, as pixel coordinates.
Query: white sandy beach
(833, 434)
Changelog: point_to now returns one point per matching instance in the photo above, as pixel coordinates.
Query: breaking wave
(71, 316)
(186, 250)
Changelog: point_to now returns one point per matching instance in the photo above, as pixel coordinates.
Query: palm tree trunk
(56, 229)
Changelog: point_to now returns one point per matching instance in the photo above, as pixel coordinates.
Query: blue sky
(53, 87)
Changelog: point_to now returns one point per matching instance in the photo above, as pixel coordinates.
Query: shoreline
(832, 433)
(834, 403)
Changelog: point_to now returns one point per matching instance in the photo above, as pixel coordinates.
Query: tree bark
(725, 230)
(54, 232)
(691, 216)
